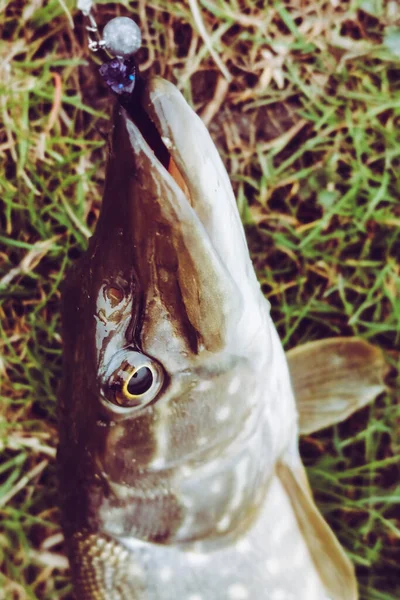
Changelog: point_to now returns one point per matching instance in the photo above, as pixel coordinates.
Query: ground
(303, 100)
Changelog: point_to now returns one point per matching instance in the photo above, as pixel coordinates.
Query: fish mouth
(181, 144)
(146, 112)
(181, 218)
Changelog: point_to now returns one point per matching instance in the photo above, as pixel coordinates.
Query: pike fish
(178, 458)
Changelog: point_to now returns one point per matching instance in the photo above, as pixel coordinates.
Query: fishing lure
(121, 39)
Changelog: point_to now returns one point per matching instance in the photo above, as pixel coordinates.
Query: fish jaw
(207, 183)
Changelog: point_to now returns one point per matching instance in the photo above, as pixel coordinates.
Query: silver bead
(122, 37)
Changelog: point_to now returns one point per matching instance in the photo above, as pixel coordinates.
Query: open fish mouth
(163, 121)
(181, 218)
(147, 114)
(183, 146)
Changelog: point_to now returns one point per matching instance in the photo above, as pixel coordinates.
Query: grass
(309, 129)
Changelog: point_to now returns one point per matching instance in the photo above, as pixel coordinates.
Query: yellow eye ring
(139, 382)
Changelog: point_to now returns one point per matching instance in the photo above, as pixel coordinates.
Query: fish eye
(132, 381)
(140, 382)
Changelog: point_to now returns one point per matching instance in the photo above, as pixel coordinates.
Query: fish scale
(103, 569)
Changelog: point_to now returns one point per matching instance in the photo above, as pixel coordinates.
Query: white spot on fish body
(165, 574)
(272, 566)
(186, 470)
(223, 413)
(203, 386)
(224, 523)
(162, 438)
(202, 441)
(241, 480)
(135, 570)
(187, 501)
(243, 546)
(281, 529)
(311, 587)
(237, 592)
(336, 361)
(279, 594)
(234, 386)
(195, 558)
(195, 597)
(299, 556)
(216, 487)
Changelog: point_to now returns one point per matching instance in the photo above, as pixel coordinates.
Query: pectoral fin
(333, 378)
(334, 568)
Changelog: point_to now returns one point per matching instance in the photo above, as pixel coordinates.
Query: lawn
(303, 100)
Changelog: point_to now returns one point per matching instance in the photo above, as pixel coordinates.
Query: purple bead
(120, 75)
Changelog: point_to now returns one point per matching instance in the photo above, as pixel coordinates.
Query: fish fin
(333, 378)
(333, 566)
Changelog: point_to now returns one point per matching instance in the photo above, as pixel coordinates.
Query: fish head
(167, 335)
